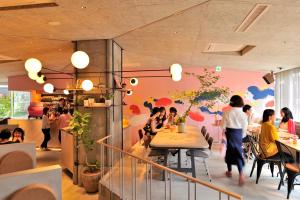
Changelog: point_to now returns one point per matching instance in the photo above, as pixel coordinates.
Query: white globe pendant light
(66, 92)
(134, 81)
(87, 85)
(129, 92)
(49, 88)
(41, 79)
(33, 76)
(33, 65)
(176, 77)
(175, 69)
(80, 59)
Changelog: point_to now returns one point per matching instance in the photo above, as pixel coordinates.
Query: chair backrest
(286, 155)
(203, 130)
(8, 162)
(141, 135)
(207, 136)
(210, 142)
(254, 144)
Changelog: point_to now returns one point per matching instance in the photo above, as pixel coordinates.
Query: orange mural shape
(196, 116)
(135, 109)
(163, 102)
(270, 104)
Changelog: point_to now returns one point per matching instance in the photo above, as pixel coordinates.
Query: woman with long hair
(287, 122)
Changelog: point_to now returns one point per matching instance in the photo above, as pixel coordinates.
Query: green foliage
(5, 106)
(109, 96)
(80, 126)
(206, 94)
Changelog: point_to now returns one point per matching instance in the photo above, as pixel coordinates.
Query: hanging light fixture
(66, 92)
(41, 79)
(33, 65)
(87, 85)
(80, 59)
(176, 77)
(134, 81)
(49, 88)
(176, 69)
(33, 75)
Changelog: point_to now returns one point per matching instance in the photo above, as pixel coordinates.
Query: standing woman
(45, 128)
(287, 122)
(235, 125)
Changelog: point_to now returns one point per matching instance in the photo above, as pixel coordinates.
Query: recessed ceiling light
(54, 23)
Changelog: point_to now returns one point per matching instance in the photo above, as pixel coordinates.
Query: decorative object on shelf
(80, 59)
(66, 92)
(206, 95)
(49, 88)
(108, 97)
(80, 126)
(33, 65)
(87, 85)
(134, 81)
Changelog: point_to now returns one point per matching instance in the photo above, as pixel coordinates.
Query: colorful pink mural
(158, 92)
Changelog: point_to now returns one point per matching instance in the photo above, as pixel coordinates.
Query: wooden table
(192, 139)
(288, 142)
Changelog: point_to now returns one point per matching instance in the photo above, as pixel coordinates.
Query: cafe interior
(149, 99)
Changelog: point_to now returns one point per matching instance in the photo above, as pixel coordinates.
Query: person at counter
(18, 135)
(287, 123)
(45, 129)
(234, 123)
(63, 119)
(5, 135)
(268, 135)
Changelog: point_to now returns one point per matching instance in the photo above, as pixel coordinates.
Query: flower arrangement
(206, 94)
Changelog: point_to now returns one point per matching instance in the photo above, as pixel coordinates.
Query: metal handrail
(171, 171)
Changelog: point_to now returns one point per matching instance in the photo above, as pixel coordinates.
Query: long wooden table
(285, 139)
(192, 139)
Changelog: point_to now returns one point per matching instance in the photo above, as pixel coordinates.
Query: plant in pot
(108, 97)
(206, 95)
(80, 126)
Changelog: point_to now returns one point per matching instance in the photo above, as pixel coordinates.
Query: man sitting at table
(268, 135)
(5, 134)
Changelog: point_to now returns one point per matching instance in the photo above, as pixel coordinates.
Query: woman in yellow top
(268, 135)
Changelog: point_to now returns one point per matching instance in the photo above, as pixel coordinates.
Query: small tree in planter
(80, 126)
(108, 97)
(206, 94)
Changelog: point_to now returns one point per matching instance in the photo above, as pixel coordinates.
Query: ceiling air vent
(252, 17)
(228, 49)
(26, 4)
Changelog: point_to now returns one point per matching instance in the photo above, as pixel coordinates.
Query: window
(20, 102)
(287, 92)
(5, 107)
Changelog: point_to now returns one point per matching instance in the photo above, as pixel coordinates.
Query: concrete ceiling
(154, 33)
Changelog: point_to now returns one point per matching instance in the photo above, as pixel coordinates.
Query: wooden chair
(204, 155)
(207, 136)
(260, 160)
(203, 130)
(290, 166)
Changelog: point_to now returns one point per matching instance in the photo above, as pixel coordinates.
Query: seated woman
(172, 118)
(151, 126)
(18, 135)
(162, 118)
(5, 136)
(287, 122)
(268, 135)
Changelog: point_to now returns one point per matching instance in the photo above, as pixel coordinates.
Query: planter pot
(90, 180)
(108, 102)
(181, 127)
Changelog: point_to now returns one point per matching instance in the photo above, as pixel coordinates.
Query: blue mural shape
(148, 105)
(260, 94)
(206, 110)
(178, 102)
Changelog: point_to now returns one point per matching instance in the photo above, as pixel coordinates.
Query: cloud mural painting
(260, 94)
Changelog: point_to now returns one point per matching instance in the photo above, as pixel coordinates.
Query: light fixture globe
(175, 69)
(41, 79)
(80, 59)
(66, 92)
(134, 81)
(176, 77)
(33, 65)
(87, 85)
(33, 75)
(49, 88)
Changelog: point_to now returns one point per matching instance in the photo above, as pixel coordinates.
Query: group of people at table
(235, 123)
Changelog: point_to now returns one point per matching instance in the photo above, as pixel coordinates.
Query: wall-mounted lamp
(175, 69)
(80, 59)
(33, 65)
(129, 92)
(66, 92)
(87, 85)
(134, 81)
(176, 77)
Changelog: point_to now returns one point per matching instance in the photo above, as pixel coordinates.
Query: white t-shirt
(235, 118)
(45, 122)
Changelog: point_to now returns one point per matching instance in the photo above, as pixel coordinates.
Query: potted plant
(206, 95)
(80, 126)
(108, 97)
